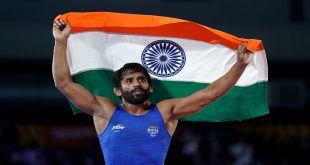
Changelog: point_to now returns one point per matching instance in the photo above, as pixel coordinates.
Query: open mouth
(137, 91)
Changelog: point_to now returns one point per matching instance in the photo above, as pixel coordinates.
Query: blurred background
(37, 126)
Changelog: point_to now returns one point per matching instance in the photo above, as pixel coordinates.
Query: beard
(135, 99)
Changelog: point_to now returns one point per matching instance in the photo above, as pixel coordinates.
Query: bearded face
(135, 88)
(137, 95)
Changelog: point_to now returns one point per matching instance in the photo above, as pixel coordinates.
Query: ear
(117, 92)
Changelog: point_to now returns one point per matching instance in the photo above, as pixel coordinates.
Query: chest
(135, 128)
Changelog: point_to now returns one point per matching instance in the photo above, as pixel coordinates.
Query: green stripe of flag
(238, 104)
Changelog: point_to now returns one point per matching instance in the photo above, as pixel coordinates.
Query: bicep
(192, 104)
(80, 97)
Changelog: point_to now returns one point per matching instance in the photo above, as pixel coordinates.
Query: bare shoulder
(166, 107)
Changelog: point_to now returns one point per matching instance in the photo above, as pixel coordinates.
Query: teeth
(137, 91)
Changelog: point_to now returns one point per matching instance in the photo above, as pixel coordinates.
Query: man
(137, 131)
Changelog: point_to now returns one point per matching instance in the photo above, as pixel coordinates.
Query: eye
(128, 80)
(142, 79)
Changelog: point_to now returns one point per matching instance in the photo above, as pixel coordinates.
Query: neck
(137, 109)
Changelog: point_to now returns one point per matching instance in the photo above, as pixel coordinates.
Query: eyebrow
(131, 77)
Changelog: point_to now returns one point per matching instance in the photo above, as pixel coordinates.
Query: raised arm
(195, 102)
(76, 93)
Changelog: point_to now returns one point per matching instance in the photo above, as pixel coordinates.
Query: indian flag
(181, 56)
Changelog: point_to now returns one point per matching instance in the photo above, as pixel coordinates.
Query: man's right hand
(61, 31)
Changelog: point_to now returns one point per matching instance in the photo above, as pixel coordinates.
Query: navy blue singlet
(135, 140)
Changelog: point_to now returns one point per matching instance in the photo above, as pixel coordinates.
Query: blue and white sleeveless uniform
(135, 140)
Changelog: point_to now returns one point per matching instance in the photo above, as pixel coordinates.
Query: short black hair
(128, 69)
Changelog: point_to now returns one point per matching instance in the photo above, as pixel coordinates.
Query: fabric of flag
(181, 56)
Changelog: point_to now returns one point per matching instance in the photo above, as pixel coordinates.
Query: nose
(136, 82)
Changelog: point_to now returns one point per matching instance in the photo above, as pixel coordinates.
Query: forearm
(60, 68)
(227, 81)
(218, 88)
